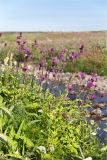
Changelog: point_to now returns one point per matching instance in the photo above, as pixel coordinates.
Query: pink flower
(69, 87)
(27, 50)
(81, 48)
(90, 84)
(53, 49)
(54, 60)
(82, 75)
(73, 56)
(25, 68)
(93, 96)
(41, 63)
(61, 56)
(94, 77)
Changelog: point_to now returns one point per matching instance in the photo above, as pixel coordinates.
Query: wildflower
(81, 48)
(94, 77)
(73, 55)
(61, 56)
(20, 50)
(42, 50)
(41, 63)
(90, 84)
(25, 68)
(81, 103)
(102, 94)
(93, 96)
(53, 49)
(69, 87)
(82, 75)
(27, 50)
(18, 41)
(54, 60)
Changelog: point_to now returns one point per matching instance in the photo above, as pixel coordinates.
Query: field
(53, 96)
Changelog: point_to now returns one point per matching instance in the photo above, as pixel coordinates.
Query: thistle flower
(42, 50)
(103, 94)
(52, 49)
(20, 50)
(82, 75)
(93, 96)
(18, 41)
(27, 50)
(54, 60)
(94, 77)
(90, 84)
(61, 56)
(81, 48)
(41, 63)
(69, 87)
(25, 68)
(73, 56)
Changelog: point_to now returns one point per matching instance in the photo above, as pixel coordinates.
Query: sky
(53, 15)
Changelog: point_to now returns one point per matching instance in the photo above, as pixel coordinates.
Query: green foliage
(39, 126)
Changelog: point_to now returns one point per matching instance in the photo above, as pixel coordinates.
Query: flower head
(90, 84)
(69, 87)
(81, 48)
(61, 56)
(73, 56)
(41, 63)
(93, 96)
(25, 68)
(54, 60)
(94, 77)
(82, 75)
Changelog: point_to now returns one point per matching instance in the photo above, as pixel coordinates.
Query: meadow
(50, 98)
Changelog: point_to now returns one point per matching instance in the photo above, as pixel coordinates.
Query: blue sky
(53, 15)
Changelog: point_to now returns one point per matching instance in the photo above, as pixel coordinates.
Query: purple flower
(90, 84)
(31, 56)
(18, 41)
(64, 50)
(41, 63)
(25, 68)
(61, 56)
(53, 49)
(42, 50)
(82, 75)
(69, 87)
(27, 50)
(24, 41)
(102, 95)
(94, 77)
(93, 96)
(81, 48)
(73, 56)
(54, 60)
(20, 50)
(81, 103)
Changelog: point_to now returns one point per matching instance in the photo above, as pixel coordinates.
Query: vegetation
(34, 123)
